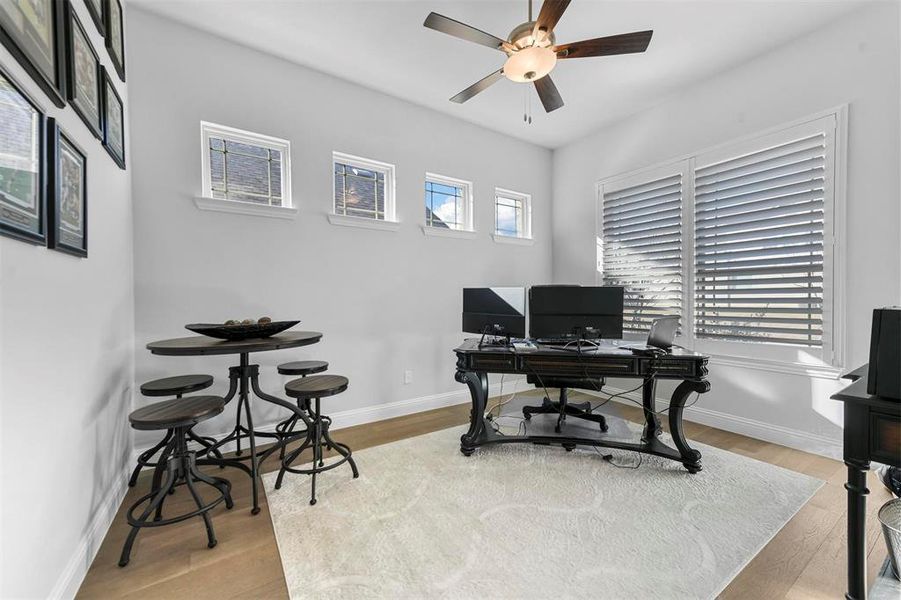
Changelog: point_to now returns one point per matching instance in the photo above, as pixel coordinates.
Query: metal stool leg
(317, 448)
(144, 458)
(157, 500)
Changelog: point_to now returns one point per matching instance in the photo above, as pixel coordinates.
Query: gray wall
(386, 301)
(853, 61)
(66, 375)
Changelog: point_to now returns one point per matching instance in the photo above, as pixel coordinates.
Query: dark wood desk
(243, 378)
(872, 432)
(474, 363)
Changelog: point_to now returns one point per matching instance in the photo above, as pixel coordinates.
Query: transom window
(245, 167)
(512, 214)
(363, 188)
(448, 203)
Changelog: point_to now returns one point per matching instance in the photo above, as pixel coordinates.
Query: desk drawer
(493, 363)
(885, 438)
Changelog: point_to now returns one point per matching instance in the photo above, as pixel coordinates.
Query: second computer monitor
(572, 311)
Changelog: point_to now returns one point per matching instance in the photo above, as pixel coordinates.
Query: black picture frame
(97, 10)
(45, 63)
(68, 224)
(15, 220)
(115, 36)
(112, 101)
(78, 44)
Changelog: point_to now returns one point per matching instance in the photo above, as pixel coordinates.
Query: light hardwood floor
(806, 559)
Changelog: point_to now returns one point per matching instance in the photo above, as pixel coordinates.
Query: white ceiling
(382, 45)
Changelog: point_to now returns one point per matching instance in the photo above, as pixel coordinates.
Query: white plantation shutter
(762, 228)
(641, 244)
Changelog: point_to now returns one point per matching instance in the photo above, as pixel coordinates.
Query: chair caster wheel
(605, 428)
(123, 563)
(313, 502)
(255, 511)
(527, 416)
(692, 469)
(212, 544)
(569, 447)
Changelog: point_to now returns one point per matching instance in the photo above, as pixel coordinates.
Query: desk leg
(648, 402)
(478, 389)
(857, 511)
(691, 458)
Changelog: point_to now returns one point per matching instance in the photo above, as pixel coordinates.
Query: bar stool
(176, 416)
(316, 387)
(302, 368)
(171, 386)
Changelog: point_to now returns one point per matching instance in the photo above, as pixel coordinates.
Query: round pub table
(243, 378)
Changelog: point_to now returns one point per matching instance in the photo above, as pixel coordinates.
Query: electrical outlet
(408, 376)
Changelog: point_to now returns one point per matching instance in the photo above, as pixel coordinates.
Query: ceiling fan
(532, 50)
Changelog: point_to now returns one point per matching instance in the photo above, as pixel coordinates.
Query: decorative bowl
(240, 332)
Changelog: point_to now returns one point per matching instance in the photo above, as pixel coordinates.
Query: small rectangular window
(245, 167)
(512, 214)
(363, 188)
(448, 203)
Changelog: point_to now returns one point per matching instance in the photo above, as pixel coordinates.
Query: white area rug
(524, 521)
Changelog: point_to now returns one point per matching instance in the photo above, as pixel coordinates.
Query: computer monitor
(495, 311)
(562, 312)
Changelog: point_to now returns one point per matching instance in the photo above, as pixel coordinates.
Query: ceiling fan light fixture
(530, 64)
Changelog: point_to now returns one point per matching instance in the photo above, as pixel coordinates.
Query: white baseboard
(68, 583)
(768, 432)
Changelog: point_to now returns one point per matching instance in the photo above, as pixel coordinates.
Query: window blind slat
(713, 236)
(752, 174)
(761, 159)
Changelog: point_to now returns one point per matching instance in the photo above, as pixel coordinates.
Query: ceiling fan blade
(462, 31)
(551, 11)
(479, 86)
(548, 93)
(626, 43)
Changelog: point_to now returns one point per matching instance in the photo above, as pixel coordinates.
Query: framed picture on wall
(115, 36)
(67, 176)
(97, 10)
(34, 33)
(84, 75)
(113, 121)
(23, 190)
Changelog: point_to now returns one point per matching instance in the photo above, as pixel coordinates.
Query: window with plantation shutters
(641, 244)
(760, 214)
(742, 241)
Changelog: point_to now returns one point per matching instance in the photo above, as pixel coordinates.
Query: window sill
(820, 371)
(509, 239)
(462, 234)
(245, 208)
(363, 222)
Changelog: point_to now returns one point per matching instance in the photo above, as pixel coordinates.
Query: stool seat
(180, 412)
(180, 384)
(316, 386)
(303, 367)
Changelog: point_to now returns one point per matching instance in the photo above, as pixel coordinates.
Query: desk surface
(607, 348)
(857, 393)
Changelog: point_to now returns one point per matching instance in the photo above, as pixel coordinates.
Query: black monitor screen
(497, 310)
(571, 311)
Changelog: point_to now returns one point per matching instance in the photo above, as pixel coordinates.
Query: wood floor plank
(803, 561)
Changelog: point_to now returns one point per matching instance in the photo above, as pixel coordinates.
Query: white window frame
(526, 199)
(825, 362)
(390, 222)
(468, 230)
(206, 201)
